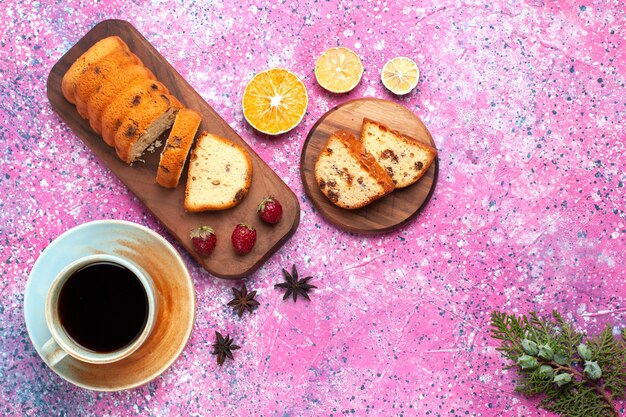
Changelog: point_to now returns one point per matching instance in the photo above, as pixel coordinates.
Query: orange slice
(338, 70)
(274, 101)
(400, 75)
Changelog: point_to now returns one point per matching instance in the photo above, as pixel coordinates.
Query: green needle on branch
(576, 379)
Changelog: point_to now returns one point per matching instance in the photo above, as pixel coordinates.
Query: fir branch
(611, 357)
(574, 378)
(567, 336)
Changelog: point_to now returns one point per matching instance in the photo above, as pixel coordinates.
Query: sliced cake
(143, 125)
(348, 175)
(177, 147)
(130, 98)
(92, 77)
(404, 159)
(99, 50)
(110, 88)
(220, 173)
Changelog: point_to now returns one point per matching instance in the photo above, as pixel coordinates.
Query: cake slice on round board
(348, 175)
(387, 213)
(352, 173)
(405, 159)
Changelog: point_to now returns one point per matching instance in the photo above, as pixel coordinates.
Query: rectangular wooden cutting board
(167, 204)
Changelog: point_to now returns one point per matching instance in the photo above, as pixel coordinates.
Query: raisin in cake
(348, 175)
(110, 88)
(220, 173)
(144, 124)
(115, 113)
(93, 76)
(404, 159)
(120, 97)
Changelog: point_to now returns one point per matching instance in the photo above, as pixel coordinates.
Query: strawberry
(204, 240)
(270, 210)
(243, 238)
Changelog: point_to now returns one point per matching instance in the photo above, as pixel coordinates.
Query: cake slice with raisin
(143, 125)
(130, 98)
(177, 147)
(405, 159)
(348, 175)
(220, 174)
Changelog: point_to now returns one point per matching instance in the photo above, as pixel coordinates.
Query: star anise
(243, 300)
(223, 347)
(295, 286)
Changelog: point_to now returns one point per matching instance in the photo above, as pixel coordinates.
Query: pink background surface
(525, 101)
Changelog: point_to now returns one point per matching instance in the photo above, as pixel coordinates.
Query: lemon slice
(400, 75)
(274, 101)
(338, 70)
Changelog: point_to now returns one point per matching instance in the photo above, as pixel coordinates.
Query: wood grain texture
(167, 204)
(391, 211)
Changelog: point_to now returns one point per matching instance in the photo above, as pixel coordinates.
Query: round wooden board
(391, 211)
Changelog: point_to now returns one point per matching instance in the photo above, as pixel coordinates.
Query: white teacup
(68, 298)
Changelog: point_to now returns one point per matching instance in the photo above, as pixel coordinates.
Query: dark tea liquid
(103, 307)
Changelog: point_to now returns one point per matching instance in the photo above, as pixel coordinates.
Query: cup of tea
(99, 309)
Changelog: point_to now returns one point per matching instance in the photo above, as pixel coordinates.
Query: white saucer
(154, 254)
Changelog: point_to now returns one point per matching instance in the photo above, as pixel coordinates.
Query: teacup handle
(52, 352)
